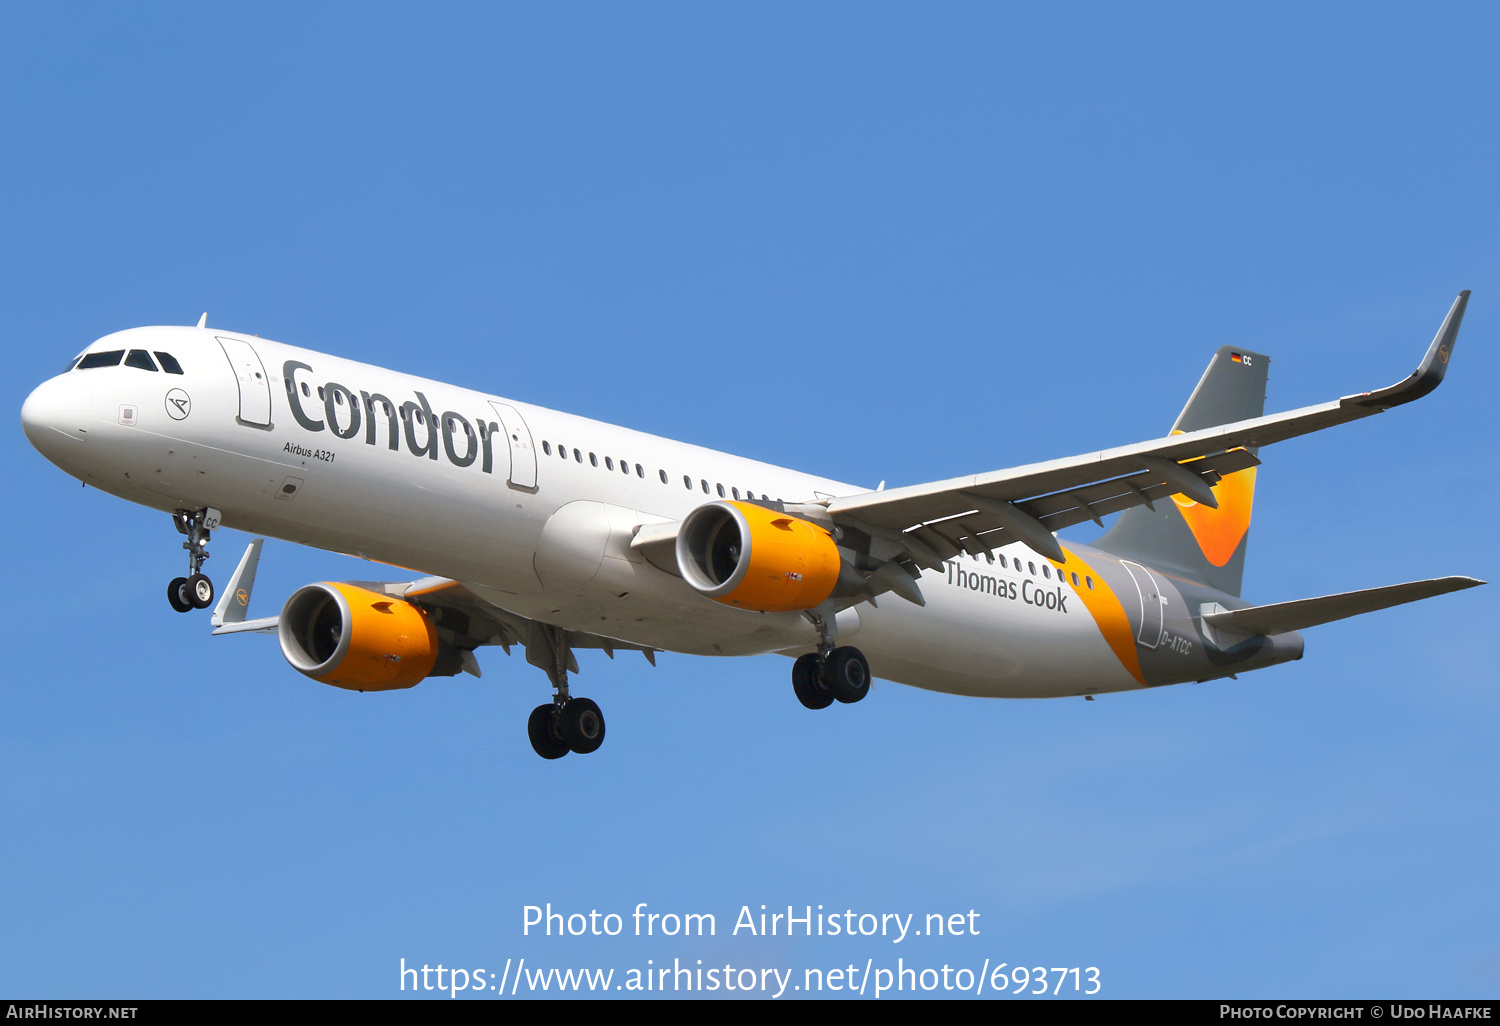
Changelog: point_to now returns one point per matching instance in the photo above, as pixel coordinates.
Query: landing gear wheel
(581, 725)
(543, 740)
(199, 590)
(848, 674)
(810, 690)
(177, 595)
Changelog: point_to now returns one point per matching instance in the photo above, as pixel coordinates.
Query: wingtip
(1430, 372)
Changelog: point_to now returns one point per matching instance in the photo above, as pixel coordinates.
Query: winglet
(1434, 365)
(235, 602)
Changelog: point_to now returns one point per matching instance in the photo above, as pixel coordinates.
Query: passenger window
(1090, 582)
(736, 491)
(705, 487)
(1033, 568)
(640, 472)
(687, 482)
(338, 397)
(1075, 579)
(593, 459)
(109, 359)
(577, 455)
(1046, 571)
(546, 448)
(306, 392)
(721, 491)
(168, 362)
(609, 464)
(1003, 564)
(663, 474)
(321, 396)
(562, 450)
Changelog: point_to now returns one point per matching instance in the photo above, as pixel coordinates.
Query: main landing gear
(830, 674)
(194, 591)
(566, 724)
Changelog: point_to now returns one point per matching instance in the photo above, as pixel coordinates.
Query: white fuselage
(534, 514)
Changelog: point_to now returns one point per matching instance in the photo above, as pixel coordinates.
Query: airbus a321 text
(558, 533)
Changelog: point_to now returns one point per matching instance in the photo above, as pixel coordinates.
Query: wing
(474, 621)
(463, 618)
(927, 523)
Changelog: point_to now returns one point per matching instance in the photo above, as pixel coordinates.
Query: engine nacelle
(357, 639)
(748, 556)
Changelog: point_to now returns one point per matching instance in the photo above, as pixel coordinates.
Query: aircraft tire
(582, 726)
(199, 591)
(805, 682)
(539, 729)
(848, 674)
(177, 595)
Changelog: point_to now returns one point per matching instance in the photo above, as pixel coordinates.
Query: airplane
(558, 533)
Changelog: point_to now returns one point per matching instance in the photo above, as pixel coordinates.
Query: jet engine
(755, 558)
(361, 640)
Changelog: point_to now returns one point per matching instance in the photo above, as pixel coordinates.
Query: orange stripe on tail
(1218, 532)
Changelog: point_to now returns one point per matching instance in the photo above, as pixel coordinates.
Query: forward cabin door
(255, 388)
(522, 452)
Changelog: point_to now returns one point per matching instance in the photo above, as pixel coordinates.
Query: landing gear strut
(566, 724)
(830, 674)
(194, 591)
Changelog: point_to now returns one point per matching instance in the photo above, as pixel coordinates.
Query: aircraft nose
(55, 415)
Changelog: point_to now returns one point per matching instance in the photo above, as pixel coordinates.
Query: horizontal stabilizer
(1283, 617)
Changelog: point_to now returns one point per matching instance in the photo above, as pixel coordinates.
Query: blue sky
(868, 241)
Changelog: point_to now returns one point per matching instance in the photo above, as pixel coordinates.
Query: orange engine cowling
(755, 558)
(357, 639)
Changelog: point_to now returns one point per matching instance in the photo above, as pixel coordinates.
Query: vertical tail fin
(1202, 543)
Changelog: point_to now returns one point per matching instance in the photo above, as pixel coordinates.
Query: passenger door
(522, 452)
(255, 388)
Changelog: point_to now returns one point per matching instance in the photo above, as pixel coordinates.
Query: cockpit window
(141, 360)
(169, 363)
(109, 359)
(72, 363)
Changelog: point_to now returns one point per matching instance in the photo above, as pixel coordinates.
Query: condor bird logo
(178, 404)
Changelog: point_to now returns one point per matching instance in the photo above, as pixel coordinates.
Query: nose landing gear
(194, 591)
